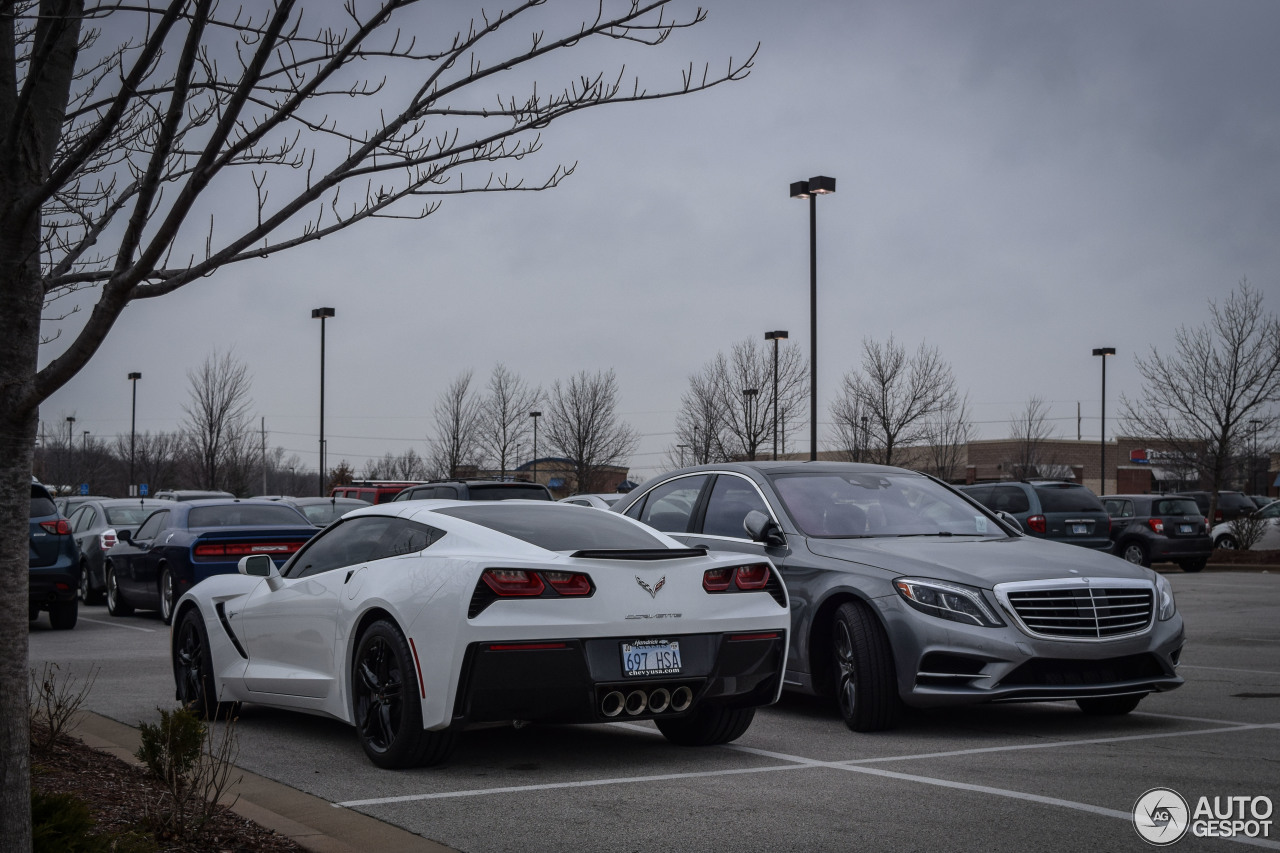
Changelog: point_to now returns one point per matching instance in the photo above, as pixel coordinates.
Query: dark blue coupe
(186, 542)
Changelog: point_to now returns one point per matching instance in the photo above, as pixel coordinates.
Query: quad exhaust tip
(611, 705)
(681, 699)
(636, 702)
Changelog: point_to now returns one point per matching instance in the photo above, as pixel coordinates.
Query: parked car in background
(189, 495)
(67, 504)
(54, 565)
(1261, 501)
(1049, 509)
(324, 511)
(476, 490)
(95, 525)
(372, 491)
(906, 592)
(188, 541)
(604, 500)
(1230, 505)
(421, 619)
(1150, 529)
(1225, 537)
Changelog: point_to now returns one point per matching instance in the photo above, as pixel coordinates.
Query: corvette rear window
(558, 527)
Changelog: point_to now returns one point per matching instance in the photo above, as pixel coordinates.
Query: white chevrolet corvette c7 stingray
(412, 620)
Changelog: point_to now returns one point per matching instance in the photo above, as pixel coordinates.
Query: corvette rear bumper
(578, 681)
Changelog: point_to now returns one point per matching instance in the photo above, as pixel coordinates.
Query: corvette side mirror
(761, 528)
(260, 566)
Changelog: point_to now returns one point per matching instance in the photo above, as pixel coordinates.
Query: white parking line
(1229, 669)
(118, 625)
(554, 786)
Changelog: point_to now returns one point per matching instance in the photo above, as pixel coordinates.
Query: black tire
(388, 710)
(866, 684)
(707, 726)
(62, 614)
(33, 611)
(193, 669)
(116, 605)
(1135, 552)
(1110, 706)
(1226, 541)
(1195, 565)
(88, 595)
(166, 595)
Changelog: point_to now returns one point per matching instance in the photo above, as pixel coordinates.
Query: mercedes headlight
(947, 601)
(1165, 606)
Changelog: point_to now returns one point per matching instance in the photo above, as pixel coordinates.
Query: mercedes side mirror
(761, 528)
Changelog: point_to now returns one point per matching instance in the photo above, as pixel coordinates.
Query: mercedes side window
(669, 507)
(152, 526)
(727, 507)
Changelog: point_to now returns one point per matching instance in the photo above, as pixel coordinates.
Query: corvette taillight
(568, 583)
(1037, 524)
(513, 582)
(747, 578)
(57, 528)
(1156, 525)
(107, 539)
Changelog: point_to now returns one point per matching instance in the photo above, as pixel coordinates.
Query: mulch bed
(121, 796)
(1245, 558)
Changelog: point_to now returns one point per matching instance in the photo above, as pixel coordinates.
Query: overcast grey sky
(1019, 181)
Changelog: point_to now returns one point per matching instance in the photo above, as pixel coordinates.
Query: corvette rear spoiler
(641, 553)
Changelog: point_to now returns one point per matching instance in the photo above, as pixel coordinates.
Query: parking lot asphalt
(1010, 777)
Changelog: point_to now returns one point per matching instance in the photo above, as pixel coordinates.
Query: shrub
(193, 763)
(1247, 530)
(53, 703)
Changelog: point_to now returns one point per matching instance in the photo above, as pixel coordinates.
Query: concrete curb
(308, 820)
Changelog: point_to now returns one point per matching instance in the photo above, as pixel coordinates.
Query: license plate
(651, 657)
(1184, 528)
(1080, 529)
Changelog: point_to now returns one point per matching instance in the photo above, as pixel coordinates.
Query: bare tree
(504, 416)
(217, 429)
(155, 459)
(947, 435)
(582, 425)
(720, 420)
(457, 438)
(113, 155)
(1200, 400)
(407, 466)
(897, 393)
(1031, 454)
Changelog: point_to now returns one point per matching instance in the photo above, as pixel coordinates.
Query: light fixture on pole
(71, 425)
(1102, 441)
(322, 314)
(775, 337)
(133, 429)
(748, 432)
(535, 416)
(811, 189)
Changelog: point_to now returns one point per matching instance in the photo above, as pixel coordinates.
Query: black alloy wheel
(193, 669)
(63, 614)
(865, 684)
(116, 605)
(388, 710)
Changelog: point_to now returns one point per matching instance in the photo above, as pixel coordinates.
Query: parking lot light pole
(1253, 460)
(775, 337)
(1102, 441)
(535, 416)
(133, 428)
(748, 432)
(811, 189)
(321, 314)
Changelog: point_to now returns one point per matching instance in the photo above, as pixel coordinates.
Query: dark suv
(476, 490)
(1231, 505)
(1049, 509)
(1150, 529)
(55, 562)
